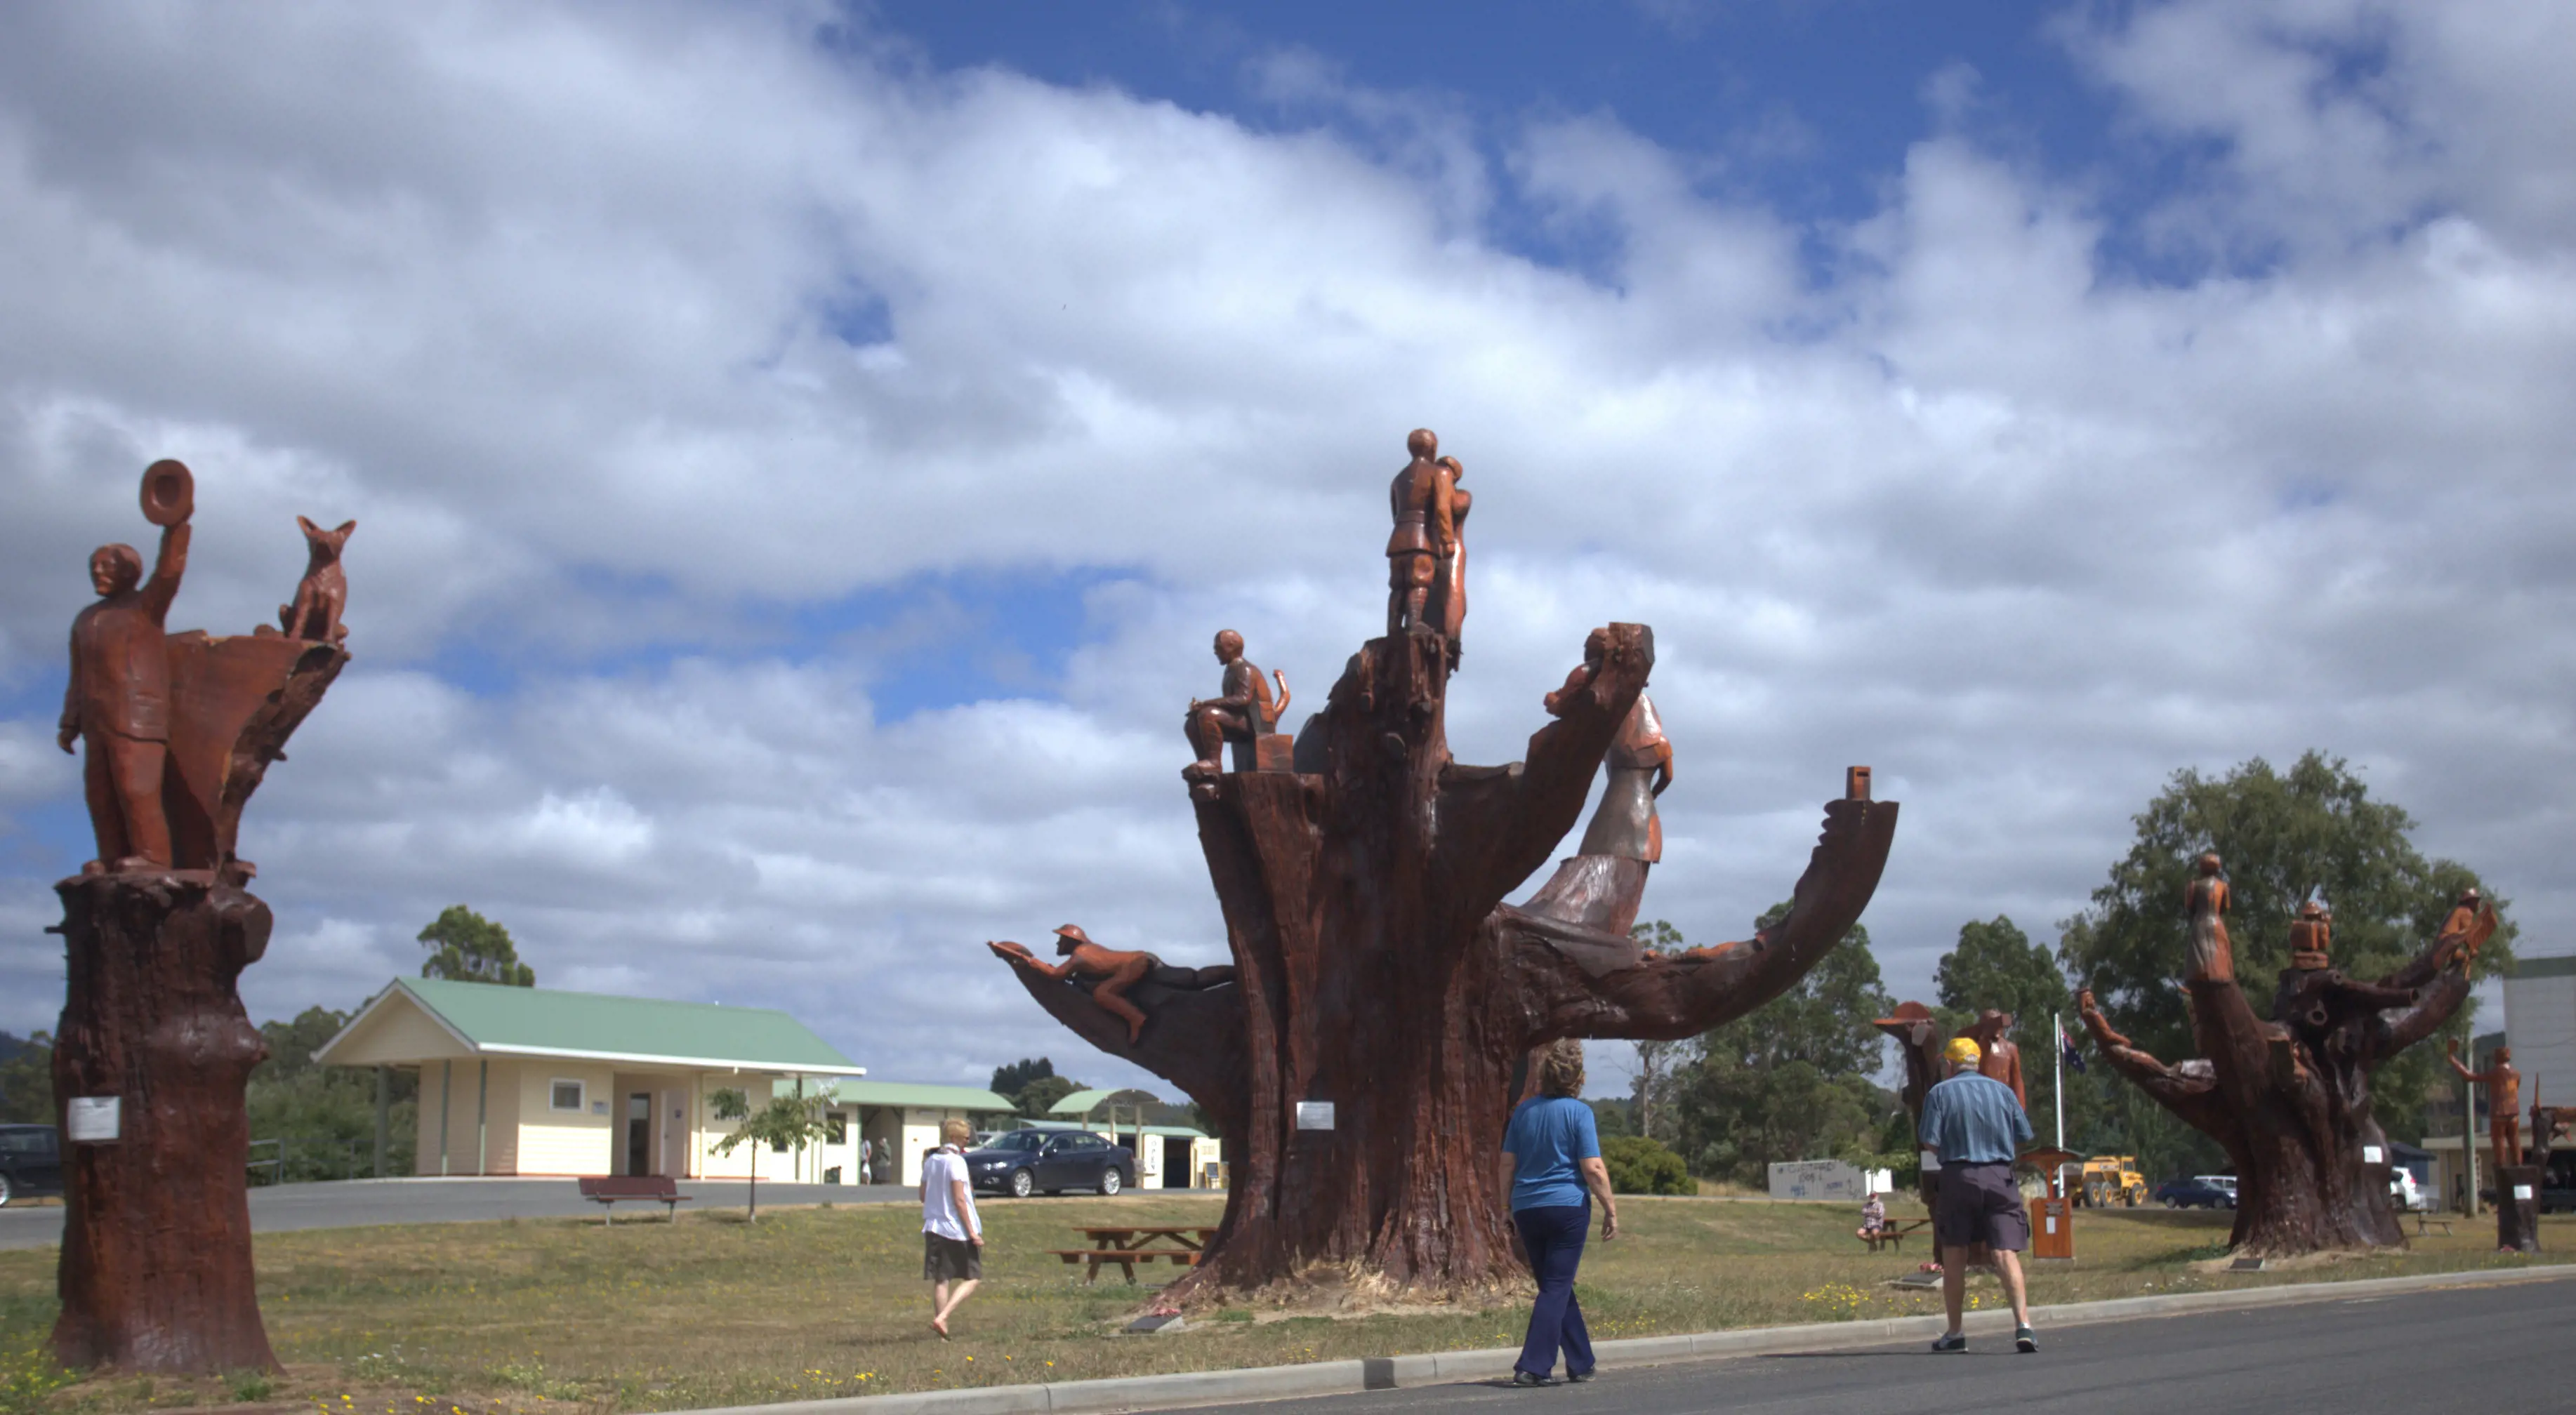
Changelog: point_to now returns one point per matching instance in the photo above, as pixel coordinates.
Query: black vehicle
(2193, 1194)
(31, 1162)
(1021, 1162)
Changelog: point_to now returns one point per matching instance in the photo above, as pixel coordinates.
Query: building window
(839, 1121)
(567, 1096)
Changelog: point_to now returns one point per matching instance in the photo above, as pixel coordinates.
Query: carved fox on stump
(324, 591)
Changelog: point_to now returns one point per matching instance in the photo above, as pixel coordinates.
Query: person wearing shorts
(952, 1235)
(1976, 1125)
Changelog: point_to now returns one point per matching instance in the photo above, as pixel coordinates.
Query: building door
(639, 1133)
(675, 1133)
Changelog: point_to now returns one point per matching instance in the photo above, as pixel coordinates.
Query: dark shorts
(1979, 1203)
(950, 1260)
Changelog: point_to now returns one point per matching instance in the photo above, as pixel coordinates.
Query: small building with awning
(536, 1081)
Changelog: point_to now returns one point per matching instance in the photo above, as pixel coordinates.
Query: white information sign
(2372, 1154)
(2052, 1223)
(93, 1120)
(2521, 1192)
(1314, 1115)
(1817, 1179)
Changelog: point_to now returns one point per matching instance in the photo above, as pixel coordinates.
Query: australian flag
(2066, 1048)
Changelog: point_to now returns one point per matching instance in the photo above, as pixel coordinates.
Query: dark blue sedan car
(1022, 1162)
(2193, 1194)
(31, 1162)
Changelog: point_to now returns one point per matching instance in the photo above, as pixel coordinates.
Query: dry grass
(560, 1315)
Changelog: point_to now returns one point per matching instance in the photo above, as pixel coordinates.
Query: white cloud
(553, 303)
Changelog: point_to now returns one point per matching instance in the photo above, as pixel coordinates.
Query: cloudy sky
(800, 453)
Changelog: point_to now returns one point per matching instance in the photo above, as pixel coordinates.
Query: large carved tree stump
(156, 1262)
(1378, 970)
(2518, 1208)
(2289, 1098)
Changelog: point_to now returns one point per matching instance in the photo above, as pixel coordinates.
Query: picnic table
(1893, 1233)
(1181, 1245)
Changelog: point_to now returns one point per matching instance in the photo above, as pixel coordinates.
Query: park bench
(2424, 1224)
(608, 1191)
(1129, 1245)
(1892, 1235)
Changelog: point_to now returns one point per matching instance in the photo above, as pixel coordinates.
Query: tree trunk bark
(156, 1260)
(2289, 1099)
(1378, 971)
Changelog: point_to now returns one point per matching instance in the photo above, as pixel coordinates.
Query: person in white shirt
(952, 1236)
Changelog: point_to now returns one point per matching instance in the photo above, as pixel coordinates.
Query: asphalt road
(2494, 1351)
(368, 1203)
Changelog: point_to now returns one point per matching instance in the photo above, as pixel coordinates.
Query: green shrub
(1639, 1165)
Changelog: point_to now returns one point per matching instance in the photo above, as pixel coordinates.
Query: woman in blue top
(1551, 1155)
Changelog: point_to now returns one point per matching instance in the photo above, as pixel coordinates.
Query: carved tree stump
(2289, 1099)
(156, 1262)
(1377, 969)
(2518, 1208)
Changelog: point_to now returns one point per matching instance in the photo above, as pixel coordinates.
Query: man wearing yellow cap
(1976, 1126)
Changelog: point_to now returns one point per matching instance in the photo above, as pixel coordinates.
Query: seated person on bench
(1873, 1219)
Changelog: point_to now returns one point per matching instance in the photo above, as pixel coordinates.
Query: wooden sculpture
(2289, 1098)
(2504, 1103)
(154, 1049)
(1381, 987)
(1243, 712)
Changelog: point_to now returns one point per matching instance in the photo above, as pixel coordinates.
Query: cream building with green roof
(533, 1081)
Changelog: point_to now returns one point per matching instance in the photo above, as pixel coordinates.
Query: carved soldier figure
(1117, 971)
(1450, 593)
(1425, 530)
(1242, 711)
(2472, 921)
(2504, 1102)
(1641, 766)
(1596, 654)
(2001, 1055)
(118, 703)
(2312, 937)
(2211, 958)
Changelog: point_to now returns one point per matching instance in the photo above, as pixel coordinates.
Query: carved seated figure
(2312, 937)
(1243, 713)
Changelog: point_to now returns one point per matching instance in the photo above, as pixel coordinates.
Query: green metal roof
(544, 1022)
(2563, 965)
(855, 1091)
(1085, 1102)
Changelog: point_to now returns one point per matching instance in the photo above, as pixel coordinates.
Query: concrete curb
(1444, 1367)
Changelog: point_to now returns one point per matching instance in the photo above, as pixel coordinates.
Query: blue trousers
(1554, 1238)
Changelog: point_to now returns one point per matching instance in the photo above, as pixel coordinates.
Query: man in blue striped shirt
(1976, 1126)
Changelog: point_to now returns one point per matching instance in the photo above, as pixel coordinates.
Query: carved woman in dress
(2212, 959)
(1451, 592)
(1641, 766)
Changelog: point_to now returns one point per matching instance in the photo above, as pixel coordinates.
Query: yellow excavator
(2112, 1179)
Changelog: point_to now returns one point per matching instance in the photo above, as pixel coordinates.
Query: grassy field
(556, 1315)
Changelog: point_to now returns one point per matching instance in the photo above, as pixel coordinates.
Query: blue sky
(801, 453)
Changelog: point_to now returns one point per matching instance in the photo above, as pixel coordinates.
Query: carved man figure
(2211, 958)
(118, 703)
(1425, 530)
(1641, 766)
(1117, 970)
(2472, 921)
(2504, 1102)
(2001, 1057)
(1242, 710)
(2312, 938)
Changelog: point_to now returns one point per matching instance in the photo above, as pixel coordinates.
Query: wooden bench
(1126, 1258)
(608, 1191)
(2424, 1223)
(1892, 1235)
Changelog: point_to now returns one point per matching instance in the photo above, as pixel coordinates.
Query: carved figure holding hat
(1117, 970)
(118, 702)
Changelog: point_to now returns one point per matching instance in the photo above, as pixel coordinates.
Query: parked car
(2194, 1193)
(31, 1162)
(1021, 1162)
(2405, 1193)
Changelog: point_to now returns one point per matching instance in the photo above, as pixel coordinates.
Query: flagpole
(2057, 1034)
